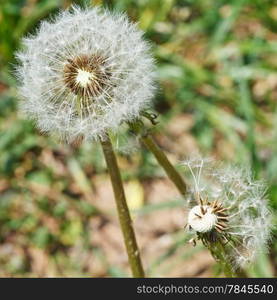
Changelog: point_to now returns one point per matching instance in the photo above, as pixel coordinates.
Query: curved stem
(151, 145)
(171, 172)
(123, 210)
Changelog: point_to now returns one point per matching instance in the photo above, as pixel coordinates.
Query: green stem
(227, 269)
(151, 145)
(122, 210)
(218, 252)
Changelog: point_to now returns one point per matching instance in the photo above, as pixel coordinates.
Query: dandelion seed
(230, 214)
(85, 73)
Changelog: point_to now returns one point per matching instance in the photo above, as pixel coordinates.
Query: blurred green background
(217, 95)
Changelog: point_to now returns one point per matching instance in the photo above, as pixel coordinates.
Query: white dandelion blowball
(84, 73)
(230, 213)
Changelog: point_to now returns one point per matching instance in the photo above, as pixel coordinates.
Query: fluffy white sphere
(84, 73)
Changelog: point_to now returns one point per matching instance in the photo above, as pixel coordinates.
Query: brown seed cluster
(87, 75)
(218, 210)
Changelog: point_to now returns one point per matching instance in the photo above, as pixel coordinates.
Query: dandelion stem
(171, 172)
(226, 265)
(122, 210)
(162, 159)
(218, 252)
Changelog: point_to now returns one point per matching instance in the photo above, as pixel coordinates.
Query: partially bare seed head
(233, 220)
(207, 217)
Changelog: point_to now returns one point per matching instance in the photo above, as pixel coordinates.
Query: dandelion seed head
(85, 72)
(238, 216)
